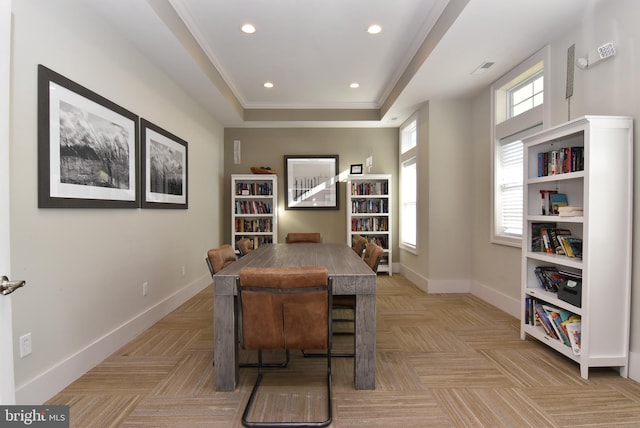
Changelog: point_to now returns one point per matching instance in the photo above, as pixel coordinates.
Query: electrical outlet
(25, 345)
(184, 271)
(145, 288)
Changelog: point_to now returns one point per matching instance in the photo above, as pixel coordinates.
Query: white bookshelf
(254, 208)
(369, 213)
(604, 189)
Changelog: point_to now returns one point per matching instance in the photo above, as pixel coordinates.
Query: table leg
(365, 334)
(225, 339)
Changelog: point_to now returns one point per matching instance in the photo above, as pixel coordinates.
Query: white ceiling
(313, 49)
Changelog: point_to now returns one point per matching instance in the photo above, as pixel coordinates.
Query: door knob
(8, 287)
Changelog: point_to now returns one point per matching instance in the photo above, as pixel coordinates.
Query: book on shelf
(569, 211)
(537, 241)
(555, 315)
(557, 200)
(575, 246)
(544, 320)
(545, 201)
(573, 326)
(549, 278)
(555, 235)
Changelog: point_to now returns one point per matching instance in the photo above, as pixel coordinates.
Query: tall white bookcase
(602, 186)
(369, 213)
(254, 208)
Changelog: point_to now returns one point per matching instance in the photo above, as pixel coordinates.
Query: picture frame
(356, 169)
(87, 147)
(165, 168)
(311, 182)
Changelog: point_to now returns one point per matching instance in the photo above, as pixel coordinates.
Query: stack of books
(569, 211)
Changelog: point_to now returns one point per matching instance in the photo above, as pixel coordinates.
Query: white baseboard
(45, 385)
(500, 300)
(435, 286)
(440, 286)
(421, 282)
(634, 366)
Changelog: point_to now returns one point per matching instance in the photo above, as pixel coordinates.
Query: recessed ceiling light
(268, 85)
(354, 85)
(248, 29)
(374, 29)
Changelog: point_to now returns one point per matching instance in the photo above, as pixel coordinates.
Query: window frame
(408, 156)
(503, 127)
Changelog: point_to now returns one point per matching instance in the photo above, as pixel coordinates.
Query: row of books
(370, 206)
(561, 242)
(254, 188)
(547, 238)
(561, 161)
(370, 224)
(372, 188)
(557, 323)
(552, 279)
(254, 207)
(255, 225)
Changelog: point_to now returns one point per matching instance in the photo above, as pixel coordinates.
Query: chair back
(219, 258)
(245, 245)
(296, 237)
(358, 243)
(372, 255)
(285, 307)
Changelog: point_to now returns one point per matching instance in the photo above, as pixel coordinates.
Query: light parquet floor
(442, 361)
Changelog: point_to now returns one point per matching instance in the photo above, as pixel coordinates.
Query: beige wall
(85, 267)
(443, 259)
(267, 146)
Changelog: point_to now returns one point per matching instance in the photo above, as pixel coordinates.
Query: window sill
(409, 248)
(507, 240)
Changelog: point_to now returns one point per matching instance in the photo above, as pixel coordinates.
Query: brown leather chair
(372, 255)
(297, 237)
(358, 243)
(245, 246)
(285, 308)
(219, 258)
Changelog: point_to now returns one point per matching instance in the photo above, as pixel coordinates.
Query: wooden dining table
(351, 276)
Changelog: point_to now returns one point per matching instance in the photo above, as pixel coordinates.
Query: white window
(509, 182)
(526, 95)
(518, 111)
(409, 186)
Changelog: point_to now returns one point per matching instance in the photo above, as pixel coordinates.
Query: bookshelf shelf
(591, 292)
(369, 213)
(254, 208)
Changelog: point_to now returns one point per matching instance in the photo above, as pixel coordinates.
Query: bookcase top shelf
(557, 177)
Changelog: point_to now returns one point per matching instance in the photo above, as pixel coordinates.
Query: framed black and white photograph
(311, 182)
(164, 168)
(87, 147)
(356, 169)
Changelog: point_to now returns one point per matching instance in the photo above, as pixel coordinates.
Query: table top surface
(339, 259)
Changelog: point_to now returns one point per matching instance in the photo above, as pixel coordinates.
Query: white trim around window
(505, 129)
